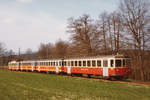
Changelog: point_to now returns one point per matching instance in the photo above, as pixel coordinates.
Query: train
(108, 66)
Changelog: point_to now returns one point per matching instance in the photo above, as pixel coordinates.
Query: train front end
(121, 66)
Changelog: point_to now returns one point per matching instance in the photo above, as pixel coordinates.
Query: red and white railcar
(54, 65)
(13, 65)
(106, 66)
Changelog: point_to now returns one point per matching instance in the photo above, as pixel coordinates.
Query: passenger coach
(106, 66)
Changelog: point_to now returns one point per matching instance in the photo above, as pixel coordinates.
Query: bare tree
(60, 49)
(103, 29)
(118, 31)
(29, 54)
(45, 51)
(29, 51)
(2, 49)
(2, 53)
(84, 34)
(110, 35)
(135, 14)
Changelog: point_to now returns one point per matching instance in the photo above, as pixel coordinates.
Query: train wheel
(89, 76)
(112, 78)
(47, 72)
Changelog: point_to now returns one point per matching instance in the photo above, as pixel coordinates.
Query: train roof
(75, 58)
(100, 57)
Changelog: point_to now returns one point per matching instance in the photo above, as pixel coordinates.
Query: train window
(79, 63)
(111, 63)
(88, 63)
(84, 63)
(45, 63)
(128, 62)
(105, 63)
(59, 63)
(49, 63)
(72, 63)
(98, 63)
(68, 63)
(93, 63)
(56, 63)
(124, 63)
(64, 63)
(118, 63)
(75, 63)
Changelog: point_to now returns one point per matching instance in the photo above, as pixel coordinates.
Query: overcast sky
(27, 23)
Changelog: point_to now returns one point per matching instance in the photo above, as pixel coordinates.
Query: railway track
(99, 79)
(119, 81)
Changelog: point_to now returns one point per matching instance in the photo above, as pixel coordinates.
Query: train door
(62, 65)
(57, 69)
(105, 68)
(68, 67)
(33, 64)
(19, 65)
(39, 64)
(69, 70)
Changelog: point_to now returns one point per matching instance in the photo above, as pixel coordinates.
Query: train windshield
(122, 63)
(118, 63)
(128, 62)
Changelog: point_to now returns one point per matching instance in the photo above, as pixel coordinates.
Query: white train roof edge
(77, 58)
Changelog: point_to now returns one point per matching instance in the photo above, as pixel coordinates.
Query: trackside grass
(37, 86)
